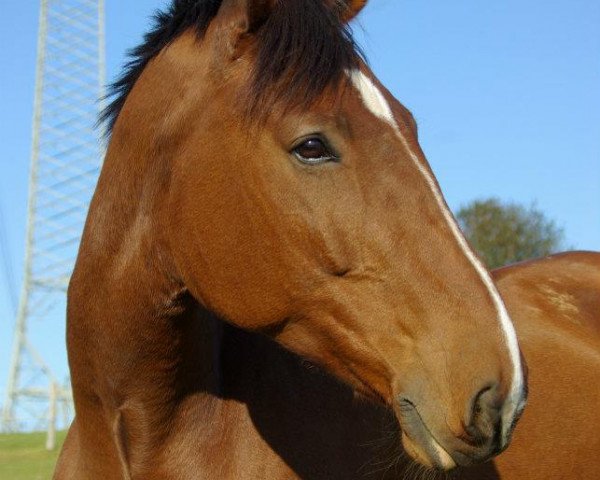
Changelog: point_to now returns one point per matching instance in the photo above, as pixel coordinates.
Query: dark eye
(314, 151)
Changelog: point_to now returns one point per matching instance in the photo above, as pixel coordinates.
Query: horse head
(292, 199)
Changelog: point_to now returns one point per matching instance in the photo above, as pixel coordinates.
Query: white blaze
(379, 106)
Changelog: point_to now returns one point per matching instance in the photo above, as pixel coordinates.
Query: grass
(23, 456)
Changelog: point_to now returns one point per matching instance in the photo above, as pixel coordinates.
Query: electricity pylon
(66, 155)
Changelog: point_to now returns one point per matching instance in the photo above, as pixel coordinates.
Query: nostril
(483, 422)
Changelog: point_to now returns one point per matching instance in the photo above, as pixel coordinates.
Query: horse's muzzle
(483, 437)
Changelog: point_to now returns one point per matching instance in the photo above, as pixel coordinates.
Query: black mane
(302, 41)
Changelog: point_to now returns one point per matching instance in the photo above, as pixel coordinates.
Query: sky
(506, 95)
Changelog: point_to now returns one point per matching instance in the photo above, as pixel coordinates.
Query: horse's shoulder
(563, 289)
(559, 265)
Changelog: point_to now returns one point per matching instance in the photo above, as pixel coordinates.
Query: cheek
(240, 251)
(320, 216)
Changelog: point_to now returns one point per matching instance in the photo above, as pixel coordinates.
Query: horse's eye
(314, 151)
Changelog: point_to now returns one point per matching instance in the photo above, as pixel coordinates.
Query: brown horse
(555, 304)
(262, 190)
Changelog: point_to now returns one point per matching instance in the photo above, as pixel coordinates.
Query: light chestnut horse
(270, 284)
(555, 305)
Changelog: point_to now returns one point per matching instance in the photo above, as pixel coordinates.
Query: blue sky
(506, 94)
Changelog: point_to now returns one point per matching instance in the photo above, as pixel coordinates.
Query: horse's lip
(416, 430)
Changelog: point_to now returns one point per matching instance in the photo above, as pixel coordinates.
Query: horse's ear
(256, 12)
(352, 8)
(247, 15)
(241, 18)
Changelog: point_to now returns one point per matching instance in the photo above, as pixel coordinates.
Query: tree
(504, 233)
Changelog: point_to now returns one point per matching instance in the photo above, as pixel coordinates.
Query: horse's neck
(149, 364)
(136, 344)
(169, 372)
(300, 415)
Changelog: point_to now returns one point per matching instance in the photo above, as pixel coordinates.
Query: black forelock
(303, 47)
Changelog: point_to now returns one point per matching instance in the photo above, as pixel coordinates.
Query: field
(23, 456)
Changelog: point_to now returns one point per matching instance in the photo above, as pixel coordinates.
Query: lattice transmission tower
(66, 154)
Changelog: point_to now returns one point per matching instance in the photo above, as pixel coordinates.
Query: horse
(555, 305)
(269, 278)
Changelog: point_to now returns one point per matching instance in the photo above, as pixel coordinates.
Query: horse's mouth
(419, 442)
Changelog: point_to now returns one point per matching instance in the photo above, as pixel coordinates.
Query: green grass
(23, 456)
